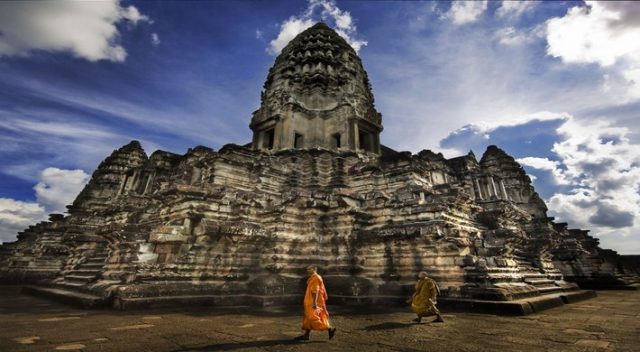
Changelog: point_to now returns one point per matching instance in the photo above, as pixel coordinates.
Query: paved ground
(606, 323)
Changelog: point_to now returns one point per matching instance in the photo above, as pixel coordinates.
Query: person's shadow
(388, 326)
(229, 346)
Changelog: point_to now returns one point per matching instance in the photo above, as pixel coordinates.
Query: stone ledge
(516, 307)
(82, 300)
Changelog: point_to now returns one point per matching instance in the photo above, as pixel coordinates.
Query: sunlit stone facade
(239, 225)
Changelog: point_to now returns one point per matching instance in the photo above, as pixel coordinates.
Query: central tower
(317, 95)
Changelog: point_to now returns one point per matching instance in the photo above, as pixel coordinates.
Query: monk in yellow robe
(316, 316)
(423, 302)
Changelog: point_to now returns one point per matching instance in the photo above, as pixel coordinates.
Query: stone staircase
(534, 277)
(80, 284)
(87, 272)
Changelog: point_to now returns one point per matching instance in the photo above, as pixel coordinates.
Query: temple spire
(317, 95)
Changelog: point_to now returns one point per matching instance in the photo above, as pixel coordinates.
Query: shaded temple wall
(240, 226)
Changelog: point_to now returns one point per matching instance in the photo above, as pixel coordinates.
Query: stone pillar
(352, 138)
(478, 188)
(149, 179)
(504, 190)
(279, 134)
(495, 190)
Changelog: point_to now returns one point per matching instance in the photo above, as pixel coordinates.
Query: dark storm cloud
(611, 217)
(598, 168)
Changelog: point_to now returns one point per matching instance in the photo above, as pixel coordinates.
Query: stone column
(495, 190)
(352, 138)
(478, 188)
(149, 179)
(504, 190)
(279, 134)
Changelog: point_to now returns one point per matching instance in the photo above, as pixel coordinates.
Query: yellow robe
(315, 319)
(422, 301)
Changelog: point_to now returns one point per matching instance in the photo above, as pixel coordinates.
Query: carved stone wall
(240, 225)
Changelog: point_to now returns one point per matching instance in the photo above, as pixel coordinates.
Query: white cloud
(325, 10)
(603, 33)
(603, 166)
(87, 29)
(15, 216)
(463, 12)
(58, 139)
(132, 14)
(56, 128)
(548, 165)
(589, 34)
(514, 9)
(486, 127)
(288, 30)
(55, 189)
(58, 188)
(510, 36)
(155, 39)
(632, 80)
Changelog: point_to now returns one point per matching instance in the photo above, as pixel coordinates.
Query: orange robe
(423, 299)
(315, 319)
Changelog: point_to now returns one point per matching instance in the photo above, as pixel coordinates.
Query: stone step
(80, 277)
(533, 275)
(83, 300)
(83, 272)
(537, 282)
(516, 307)
(88, 266)
(549, 289)
(73, 282)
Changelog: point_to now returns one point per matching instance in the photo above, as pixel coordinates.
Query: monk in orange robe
(423, 302)
(316, 316)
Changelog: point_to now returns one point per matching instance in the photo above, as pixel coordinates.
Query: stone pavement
(609, 322)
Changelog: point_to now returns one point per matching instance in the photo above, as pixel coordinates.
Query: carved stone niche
(167, 252)
(168, 240)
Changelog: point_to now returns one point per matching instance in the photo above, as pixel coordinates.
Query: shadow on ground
(249, 344)
(388, 326)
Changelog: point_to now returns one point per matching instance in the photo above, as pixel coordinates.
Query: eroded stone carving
(239, 226)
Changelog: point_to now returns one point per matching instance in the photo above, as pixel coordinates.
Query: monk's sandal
(332, 333)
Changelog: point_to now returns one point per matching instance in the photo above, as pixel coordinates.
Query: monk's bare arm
(315, 299)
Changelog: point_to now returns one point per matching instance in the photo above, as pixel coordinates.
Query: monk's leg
(438, 315)
(332, 332)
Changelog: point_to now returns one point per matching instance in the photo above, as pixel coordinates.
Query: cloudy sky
(555, 84)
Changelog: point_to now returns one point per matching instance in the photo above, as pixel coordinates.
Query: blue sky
(555, 84)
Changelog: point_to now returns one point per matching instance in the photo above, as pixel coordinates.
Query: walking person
(423, 301)
(316, 316)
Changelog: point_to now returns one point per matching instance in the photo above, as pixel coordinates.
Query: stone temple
(239, 225)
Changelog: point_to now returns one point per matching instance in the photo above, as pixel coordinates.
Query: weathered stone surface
(610, 317)
(317, 94)
(239, 226)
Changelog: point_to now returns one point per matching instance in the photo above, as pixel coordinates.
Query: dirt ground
(609, 322)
